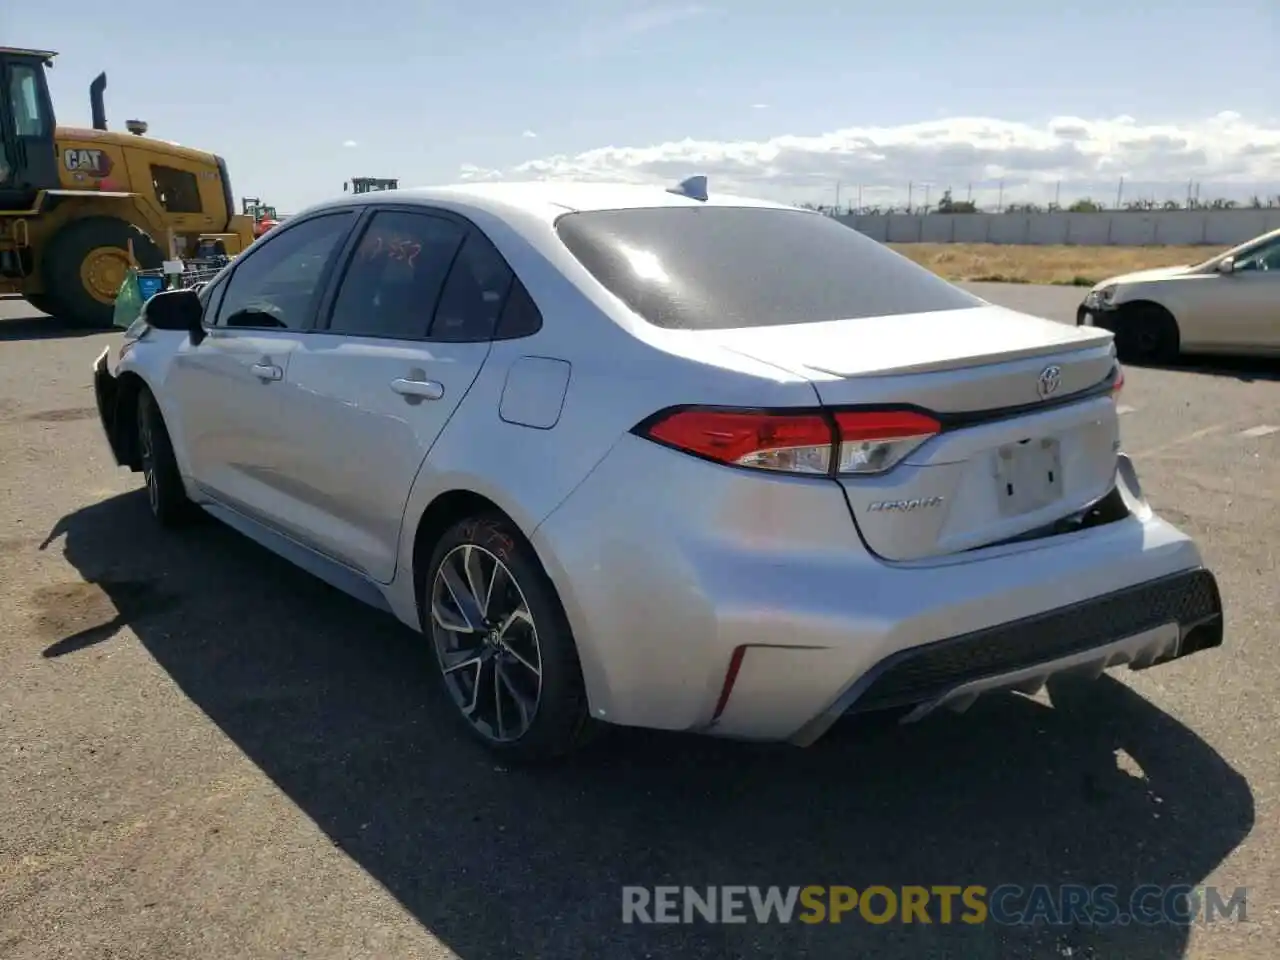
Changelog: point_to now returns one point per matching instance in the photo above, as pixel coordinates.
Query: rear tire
(166, 494)
(505, 654)
(1147, 334)
(81, 266)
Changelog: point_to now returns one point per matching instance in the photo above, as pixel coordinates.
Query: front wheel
(1147, 334)
(166, 494)
(506, 655)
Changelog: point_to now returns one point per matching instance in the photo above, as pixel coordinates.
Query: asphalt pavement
(208, 754)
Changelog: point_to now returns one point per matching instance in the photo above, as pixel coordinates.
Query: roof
(549, 199)
(23, 51)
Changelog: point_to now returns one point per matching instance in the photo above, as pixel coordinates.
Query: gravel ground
(208, 754)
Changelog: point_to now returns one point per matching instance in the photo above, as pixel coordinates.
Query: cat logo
(95, 163)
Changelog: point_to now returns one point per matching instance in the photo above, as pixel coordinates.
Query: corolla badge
(1049, 381)
(904, 506)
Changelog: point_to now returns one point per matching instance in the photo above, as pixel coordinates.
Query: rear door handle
(267, 371)
(418, 389)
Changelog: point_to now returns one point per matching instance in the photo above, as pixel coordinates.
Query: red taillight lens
(793, 443)
(862, 443)
(874, 441)
(1119, 384)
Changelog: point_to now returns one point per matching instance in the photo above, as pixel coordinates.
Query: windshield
(713, 268)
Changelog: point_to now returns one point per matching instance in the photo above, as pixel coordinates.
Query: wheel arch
(1140, 304)
(129, 387)
(131, 381)
(440, 514)
(454, 504)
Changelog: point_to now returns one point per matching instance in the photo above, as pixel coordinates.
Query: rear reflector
(858, 442)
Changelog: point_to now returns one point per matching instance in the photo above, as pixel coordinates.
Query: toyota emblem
(1049, 381)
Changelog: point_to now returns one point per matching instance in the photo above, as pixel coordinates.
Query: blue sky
(753, 92)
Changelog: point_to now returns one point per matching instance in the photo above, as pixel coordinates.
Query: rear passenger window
(473, 295)
(396, 276)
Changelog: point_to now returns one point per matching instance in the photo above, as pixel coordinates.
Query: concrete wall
(1121, 228)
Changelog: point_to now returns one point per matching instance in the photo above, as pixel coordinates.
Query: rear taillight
(1118, 385)
(791, 443)
(857, 442)
(876, 441)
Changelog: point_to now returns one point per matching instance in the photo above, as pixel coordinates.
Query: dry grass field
(1072, 266)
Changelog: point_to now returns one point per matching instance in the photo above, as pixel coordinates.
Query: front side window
(1264, 257)
(718, 268)
(277, 282)
(25, 102)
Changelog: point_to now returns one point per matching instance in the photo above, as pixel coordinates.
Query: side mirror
(1227, 266)
(176, 310)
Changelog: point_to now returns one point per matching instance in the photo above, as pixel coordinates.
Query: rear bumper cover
(1141, 625)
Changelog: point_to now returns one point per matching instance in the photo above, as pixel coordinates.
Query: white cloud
(1227, 154)
(469, 172)
(600, 37)
(529, 135)
(350, 143)
(759, 106)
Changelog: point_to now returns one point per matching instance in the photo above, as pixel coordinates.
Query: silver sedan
(659, 457)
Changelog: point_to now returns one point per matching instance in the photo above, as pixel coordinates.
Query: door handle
(418, 389)
(267, 371)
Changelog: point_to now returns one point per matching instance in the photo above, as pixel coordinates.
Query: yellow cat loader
(76, 204)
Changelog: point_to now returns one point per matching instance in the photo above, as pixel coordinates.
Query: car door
(1250, 300)
(404, 336)
(226, 387)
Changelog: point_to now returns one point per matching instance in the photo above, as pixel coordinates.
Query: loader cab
(28, 156)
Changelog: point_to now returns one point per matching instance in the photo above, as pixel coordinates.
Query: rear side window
(719, 268)
(396, 277)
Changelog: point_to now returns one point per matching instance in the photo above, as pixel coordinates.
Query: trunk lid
(1014, 455)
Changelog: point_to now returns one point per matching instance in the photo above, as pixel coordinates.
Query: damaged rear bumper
(1140, 626)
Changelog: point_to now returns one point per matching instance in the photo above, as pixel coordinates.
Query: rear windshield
(717, 268)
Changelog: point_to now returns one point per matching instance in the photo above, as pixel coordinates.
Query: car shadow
(332, 702)
(1244, 369)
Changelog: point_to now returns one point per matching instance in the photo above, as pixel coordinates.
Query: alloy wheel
(486, 642)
